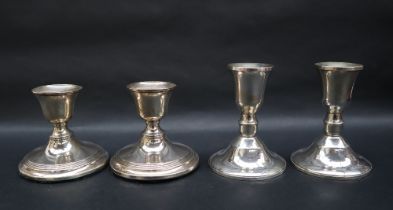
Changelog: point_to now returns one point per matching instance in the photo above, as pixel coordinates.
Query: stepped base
(82, 158)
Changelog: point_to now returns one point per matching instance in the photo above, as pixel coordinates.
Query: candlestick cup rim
(339, 66)
(56, 89)
(151, 86)
(249, 67)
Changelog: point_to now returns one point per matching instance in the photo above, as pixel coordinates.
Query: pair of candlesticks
(154, 157)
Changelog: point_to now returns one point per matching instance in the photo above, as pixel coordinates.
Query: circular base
(84, 158)
(174, 160)
(353, 167)
(264, 167)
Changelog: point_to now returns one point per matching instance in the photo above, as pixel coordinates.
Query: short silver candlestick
(154, 157)
(64, 157)
(247, 157)
(331, 156)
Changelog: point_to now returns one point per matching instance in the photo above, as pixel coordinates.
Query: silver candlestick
(64, 157)
(331, 156)
(247, 157)
(154, 157)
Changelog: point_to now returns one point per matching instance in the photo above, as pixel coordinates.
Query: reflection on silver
(154, 157)
(331, 156)
(64, 157)
(247, 157)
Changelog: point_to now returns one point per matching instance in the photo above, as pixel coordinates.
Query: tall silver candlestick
(331, 156)
(247, 157)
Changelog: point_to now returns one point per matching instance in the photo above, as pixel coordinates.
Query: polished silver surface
(154, 157)
(331, 156)
(247, 157)
(64, 157)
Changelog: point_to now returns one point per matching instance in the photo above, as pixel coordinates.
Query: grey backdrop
(104, 45)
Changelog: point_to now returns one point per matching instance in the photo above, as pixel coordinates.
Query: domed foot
(331, 157)
(247, 159)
